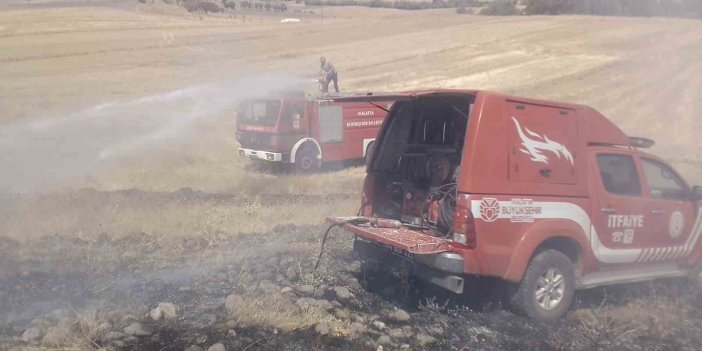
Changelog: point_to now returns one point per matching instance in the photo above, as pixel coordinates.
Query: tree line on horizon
(637, 8)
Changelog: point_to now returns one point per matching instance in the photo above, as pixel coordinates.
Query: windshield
(260, 112)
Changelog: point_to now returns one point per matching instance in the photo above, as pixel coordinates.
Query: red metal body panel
(414, 242)
(496, 148)
(530, 175)
(361, 121)
(653, 230)
(600, 130)
(506, 244)
(536, 234)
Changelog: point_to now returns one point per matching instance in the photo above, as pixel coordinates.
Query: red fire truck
(304, 131)
(549, 196)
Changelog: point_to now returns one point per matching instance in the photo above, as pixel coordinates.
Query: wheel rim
(550, 289)
(306, 162)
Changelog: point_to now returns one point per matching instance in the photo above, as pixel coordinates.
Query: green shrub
(396, 4)
(677, 8)
(206, 6)
(230, 4)
(500, 8)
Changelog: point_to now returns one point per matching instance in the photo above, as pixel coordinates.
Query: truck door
(622, 219)
(673, 214)
(293, 119)
(331, 131)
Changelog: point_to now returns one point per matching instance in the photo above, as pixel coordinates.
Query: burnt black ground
(135, 273)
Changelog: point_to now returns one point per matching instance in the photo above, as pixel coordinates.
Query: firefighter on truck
(327, 75)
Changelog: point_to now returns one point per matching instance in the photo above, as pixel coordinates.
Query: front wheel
(548, 286)
(306, 160)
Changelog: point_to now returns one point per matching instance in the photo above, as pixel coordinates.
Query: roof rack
(641, 142)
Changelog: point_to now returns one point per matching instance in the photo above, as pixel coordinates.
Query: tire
(306, 159)
(369, 150)
(547, 263)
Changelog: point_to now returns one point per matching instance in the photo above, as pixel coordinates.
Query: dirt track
(199, 225)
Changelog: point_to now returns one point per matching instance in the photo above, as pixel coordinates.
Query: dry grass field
(116, 131)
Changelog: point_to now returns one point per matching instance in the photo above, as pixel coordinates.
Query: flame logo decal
(534, 145)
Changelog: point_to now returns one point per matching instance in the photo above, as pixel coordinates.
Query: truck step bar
(632, 275)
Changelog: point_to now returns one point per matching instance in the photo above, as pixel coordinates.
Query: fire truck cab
(304, 131)
(549, 196)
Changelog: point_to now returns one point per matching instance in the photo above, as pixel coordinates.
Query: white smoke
(59, 149)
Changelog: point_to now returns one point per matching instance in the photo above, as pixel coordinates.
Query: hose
(447, 196)
(447, 209)
(354, 221)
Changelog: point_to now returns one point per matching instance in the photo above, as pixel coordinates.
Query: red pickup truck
(550, 196)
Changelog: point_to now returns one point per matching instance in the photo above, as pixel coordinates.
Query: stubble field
(120, 186)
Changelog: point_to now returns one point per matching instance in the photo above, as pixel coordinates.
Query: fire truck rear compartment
(416, 167)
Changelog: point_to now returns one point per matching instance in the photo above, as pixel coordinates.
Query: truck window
(423, 127)
(331, 123)
(264, 113)
(292, 111)
(663, 182)
(619, 175)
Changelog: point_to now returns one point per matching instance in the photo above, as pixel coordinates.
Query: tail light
(464, 226)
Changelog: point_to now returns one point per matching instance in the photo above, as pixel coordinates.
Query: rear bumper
(444, 269)
(261, 155)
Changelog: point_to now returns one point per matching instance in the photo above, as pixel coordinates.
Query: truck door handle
(609, 210)
(657, 211)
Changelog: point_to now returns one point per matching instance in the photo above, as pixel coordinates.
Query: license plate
(398, 251)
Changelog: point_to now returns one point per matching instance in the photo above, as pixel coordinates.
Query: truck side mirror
(696, 193)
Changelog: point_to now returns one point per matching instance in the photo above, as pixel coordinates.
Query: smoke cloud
(56, 150)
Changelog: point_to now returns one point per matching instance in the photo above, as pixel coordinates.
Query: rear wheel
(306, 159)
(548, 286)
